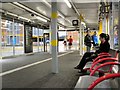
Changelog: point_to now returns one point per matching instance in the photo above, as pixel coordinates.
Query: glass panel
(7, 38)
(62, 41)
(35, 36)
(115, 25)
(75, 37)
(18, 39)
(41, 47)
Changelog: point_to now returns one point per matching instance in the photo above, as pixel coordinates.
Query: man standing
(87, 41)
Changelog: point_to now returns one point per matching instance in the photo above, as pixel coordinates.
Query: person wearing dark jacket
(87, 41)
(89, 56)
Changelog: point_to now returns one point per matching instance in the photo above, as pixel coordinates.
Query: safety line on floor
(30, 65)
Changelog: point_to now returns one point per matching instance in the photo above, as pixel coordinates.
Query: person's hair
(106, 36)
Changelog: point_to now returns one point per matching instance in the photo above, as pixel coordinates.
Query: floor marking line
(33, 64)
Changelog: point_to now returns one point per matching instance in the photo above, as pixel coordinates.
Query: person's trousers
(86, 58)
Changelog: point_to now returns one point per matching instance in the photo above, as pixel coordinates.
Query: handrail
(100, 60)
(97, 81)
(104, 53)
(102, 65)
(99, 57)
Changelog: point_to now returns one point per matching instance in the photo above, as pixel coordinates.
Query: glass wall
(115, 24)
(75, 36)
(12, 38)
(37, 39)
(18, 38)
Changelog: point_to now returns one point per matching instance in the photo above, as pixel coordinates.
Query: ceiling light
(61, 15)
(1, 10)
(46, 3)
(41, 19)
(50, 7)
(68, 3)
(68, 21)
(83, 23)
(12, 14)
(24, 18)
(41, 11)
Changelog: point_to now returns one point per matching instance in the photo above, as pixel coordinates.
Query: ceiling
(87, 8)
(90, 13)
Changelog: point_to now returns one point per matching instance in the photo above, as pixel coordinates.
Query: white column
(50, 51)
(54, 39)
(13, 30)
(38, 42)
(83, 35)
(80, 39)
(0, 48)
(23, 37)
(111, 30)
(119, 33)
(0, 40)
(104, 25)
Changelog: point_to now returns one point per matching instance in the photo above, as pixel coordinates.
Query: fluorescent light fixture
(83, 24)
(46, 3)
(61, 15)
(28, 9)
(68, 3)
(41, 19)
(50, 7)
(42, 11)
(68, 21)
(12, 14)
(24, 18)
(1, 10)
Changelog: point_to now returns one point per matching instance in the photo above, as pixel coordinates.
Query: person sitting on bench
(89, 56)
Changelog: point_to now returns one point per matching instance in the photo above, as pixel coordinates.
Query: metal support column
(50, 51)
(13, 39)
(23, 36)
(54, 39)
(0, 47)
(38, 42)
(0, 38)
(111, 28)
(104, 25)
(80, 39)
(119, 32)
(83, 35)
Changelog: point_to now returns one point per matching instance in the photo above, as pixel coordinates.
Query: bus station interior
(31, 26)
(15, 15)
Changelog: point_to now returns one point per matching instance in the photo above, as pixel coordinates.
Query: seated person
(89, 56)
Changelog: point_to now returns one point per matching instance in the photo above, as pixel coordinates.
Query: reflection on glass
(116, 36)
(37, 39)
(8, 39)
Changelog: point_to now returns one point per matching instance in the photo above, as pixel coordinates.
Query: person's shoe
(77, 67)
(82, 71)
(79, 71)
